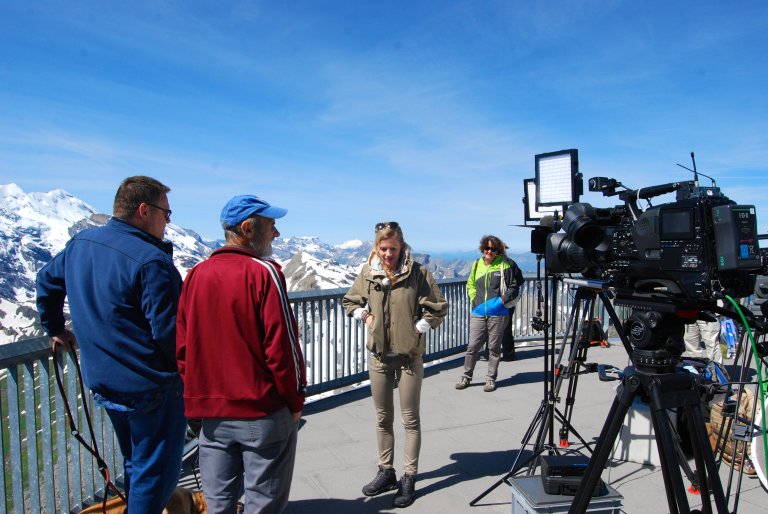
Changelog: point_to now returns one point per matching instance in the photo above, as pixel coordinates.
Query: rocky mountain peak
(35, 226)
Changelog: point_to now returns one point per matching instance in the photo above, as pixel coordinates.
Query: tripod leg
(604, 445)
(675, 489)
(702, 452)
(689, 474)
(570, 398)
(682, 390)
(572, 430)
(583, 304)
(544, 418)
(540, 420)
(616, 323)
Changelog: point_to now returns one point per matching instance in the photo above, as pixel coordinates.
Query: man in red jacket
(238, 352)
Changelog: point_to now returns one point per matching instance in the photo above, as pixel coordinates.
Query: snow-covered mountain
(304, 271)
(35, 226)
(29, 236)
(351, 253)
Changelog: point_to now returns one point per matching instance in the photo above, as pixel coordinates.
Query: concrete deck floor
(470, 440)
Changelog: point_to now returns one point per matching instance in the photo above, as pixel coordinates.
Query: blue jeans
(151, 438)
(254, 456)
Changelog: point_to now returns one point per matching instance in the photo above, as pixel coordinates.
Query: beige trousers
(702, 339)
(409, 374)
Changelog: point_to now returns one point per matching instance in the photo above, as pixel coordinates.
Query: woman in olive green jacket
(398, 300)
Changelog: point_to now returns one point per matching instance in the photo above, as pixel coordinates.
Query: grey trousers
(251, 455)
(410, 375)
(480, 329)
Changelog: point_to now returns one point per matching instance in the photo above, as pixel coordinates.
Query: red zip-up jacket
(237, 343)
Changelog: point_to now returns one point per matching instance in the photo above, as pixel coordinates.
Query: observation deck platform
(470, 439)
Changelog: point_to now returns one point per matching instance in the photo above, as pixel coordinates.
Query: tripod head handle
(609, 373)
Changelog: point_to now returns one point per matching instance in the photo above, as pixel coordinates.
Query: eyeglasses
(167, 212)
(387, 224)
(490, 249)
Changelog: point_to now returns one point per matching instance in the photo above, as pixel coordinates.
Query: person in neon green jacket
(493, 287)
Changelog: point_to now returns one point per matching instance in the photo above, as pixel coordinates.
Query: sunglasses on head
(387, 224)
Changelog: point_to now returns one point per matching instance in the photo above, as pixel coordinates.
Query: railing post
(75, 455)
(45, 382)
(61, 443)
(14, 437)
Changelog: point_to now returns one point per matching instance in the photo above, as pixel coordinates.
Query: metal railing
(46, 470)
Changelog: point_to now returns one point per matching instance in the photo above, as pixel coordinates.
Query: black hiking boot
(385, 480)
(406, 491)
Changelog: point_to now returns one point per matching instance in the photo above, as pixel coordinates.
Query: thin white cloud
(352, 112)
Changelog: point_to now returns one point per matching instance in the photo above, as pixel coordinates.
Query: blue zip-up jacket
(123, 293)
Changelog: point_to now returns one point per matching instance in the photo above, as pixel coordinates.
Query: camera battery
(562, 474)
(736, 237)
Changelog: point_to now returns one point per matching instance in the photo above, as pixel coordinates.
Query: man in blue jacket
(123, 293)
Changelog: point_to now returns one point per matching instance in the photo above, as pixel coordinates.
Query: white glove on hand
(422, 326)
(358, 313)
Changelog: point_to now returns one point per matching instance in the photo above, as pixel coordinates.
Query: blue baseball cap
(242, 207)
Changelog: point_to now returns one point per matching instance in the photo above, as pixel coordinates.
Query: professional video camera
(679, 256)
(693, 250)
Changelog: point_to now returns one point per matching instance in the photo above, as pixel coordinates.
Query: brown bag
(744, 415)
(181, 501)
(114, 505)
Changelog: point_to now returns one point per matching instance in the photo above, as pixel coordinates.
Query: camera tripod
(542, 425)
(739, 424)
(662, 391)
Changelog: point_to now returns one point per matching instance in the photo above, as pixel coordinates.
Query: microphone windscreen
(547, 221)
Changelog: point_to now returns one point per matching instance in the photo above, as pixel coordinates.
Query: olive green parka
(396, 305)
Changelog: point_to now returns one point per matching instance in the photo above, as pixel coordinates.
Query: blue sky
(351, 112)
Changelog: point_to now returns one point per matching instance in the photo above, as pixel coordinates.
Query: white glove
(422, 326)
(358, 313)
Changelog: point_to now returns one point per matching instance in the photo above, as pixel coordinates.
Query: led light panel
(555, 178)
(531, 212)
